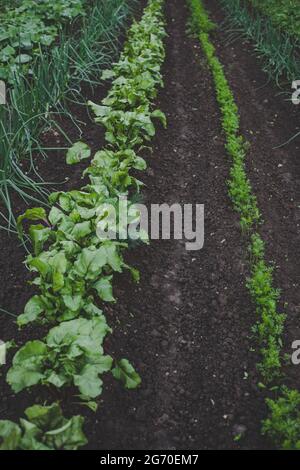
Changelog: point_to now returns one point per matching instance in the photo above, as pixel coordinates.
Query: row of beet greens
(73, 269)
(48, 50)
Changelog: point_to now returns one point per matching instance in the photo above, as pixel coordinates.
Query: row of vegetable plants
(283, 423)
(27, 30)
(29, 26)
(39, 93)
(274, 26)
(73, 269)
(284, 14)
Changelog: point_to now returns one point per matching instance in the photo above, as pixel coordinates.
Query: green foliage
(198, 17)
(125, 112)
(283, 424)
(69, 275)
(73, 267)
(44, 428)
(27, 27)
(126, 374)
(137, 123)
(111, 169)
(79, 151)
(285, 415)
(76, 271)
(56, 76)
(241, 194)
(71, 354)
(37, 213)
(274, 31)
(239, 186)
(271, 323)
(284, 14)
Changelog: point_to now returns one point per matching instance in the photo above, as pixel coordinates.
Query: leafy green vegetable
(33, 309)
(44, 428)
(284, 14)
(29, 26)
(71, 354)
(125, 372)
(10, 435)
(274, 28)
(283, 424)
(72, 265)
(37, 213)
(78, 152)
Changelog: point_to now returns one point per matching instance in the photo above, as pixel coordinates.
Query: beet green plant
(73, 269)
(71, 354)
(28, 27)
(44, 428)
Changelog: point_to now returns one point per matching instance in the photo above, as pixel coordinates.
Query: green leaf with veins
(44, 428)
(28, 366)
(32, 311)
(39, 235)
(70, 352)
(10, 435)
(89, 383)
(126, 373)
(79, 151)
(90, 262)
(23, 59)
(37, 213)
(55, 216)
(81, 230)
(104, 289)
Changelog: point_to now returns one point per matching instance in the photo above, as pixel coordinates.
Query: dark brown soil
(187, 325)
